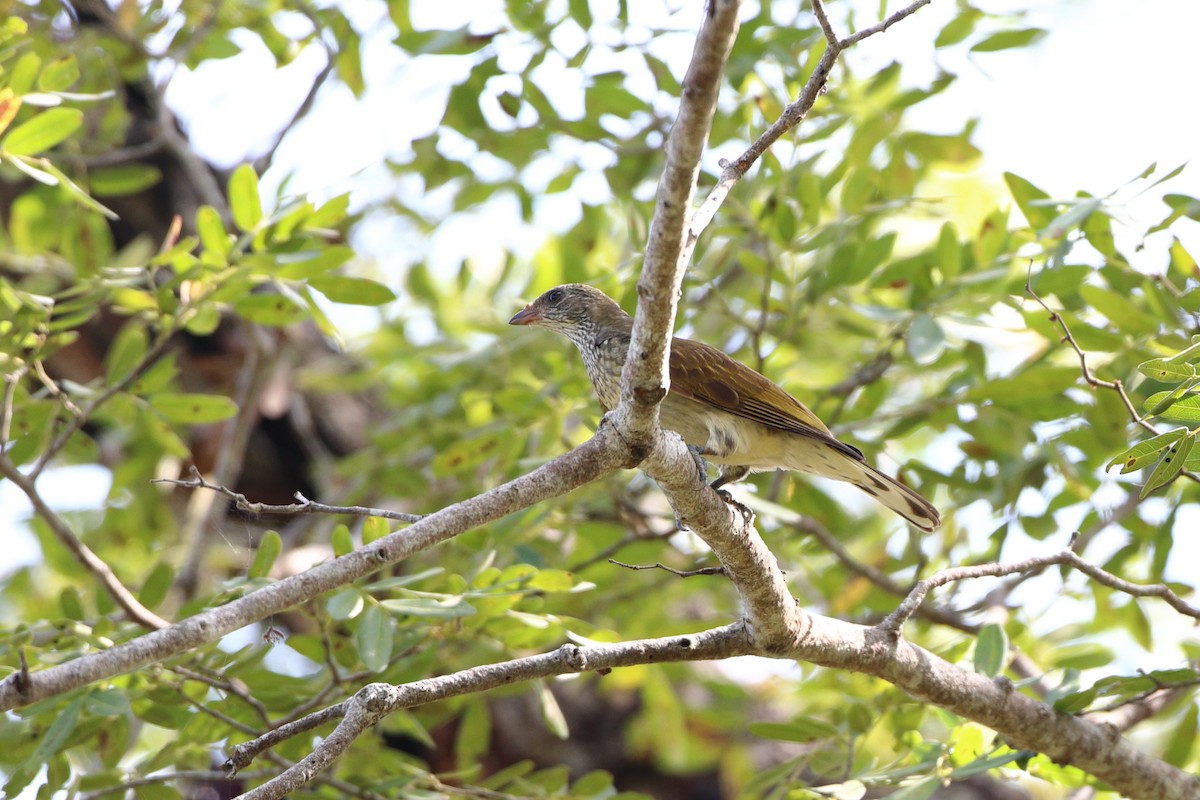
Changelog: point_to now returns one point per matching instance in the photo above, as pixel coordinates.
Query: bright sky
(1089, 107)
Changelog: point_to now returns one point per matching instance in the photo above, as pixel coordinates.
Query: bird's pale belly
(725, 438)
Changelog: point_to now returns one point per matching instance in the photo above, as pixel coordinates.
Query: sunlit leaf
(42, 131)
(244, 201)
(193, 409)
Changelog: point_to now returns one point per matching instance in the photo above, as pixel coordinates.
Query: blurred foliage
(830, 269)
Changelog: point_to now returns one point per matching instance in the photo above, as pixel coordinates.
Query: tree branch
(644, 380)
(377, 700)
(734, 171)
(302, 506)
(598, 456)
(894, 621)
(82, 553)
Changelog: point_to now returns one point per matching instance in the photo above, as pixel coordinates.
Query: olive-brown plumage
(739, 419)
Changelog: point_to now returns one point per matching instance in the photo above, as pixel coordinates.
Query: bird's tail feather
(887, 490)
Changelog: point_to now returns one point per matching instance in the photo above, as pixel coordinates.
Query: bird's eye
(554, 295)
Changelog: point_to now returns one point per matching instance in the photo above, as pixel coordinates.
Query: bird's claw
(741, 508)
(701, 464)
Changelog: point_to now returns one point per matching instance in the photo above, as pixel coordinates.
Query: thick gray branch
(644, 381)
(596, 457)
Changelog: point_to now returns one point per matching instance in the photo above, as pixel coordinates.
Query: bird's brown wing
(706, 374)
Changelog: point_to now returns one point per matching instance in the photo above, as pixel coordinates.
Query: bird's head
(575, 310)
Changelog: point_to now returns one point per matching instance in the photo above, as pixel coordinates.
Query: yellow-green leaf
(1172, 462)
(268, 550)
(355, 291)
(193, 408)
(374, 528)
(244, 202)
(373, 638)
(43, 131)
(269, 309)
(58, 75)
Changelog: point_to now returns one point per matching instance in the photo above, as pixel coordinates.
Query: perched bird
(736, 417)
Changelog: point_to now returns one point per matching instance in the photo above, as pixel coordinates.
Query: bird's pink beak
(526, 316)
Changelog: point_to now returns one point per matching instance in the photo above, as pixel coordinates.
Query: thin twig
(892, 623)
(1096, 383)
(233, 687)
(373, 702)
(734, 171)
(6, 410)
(82, 553)
(235, 436)
(718, 570)
(263, 162)
(78, 420)
(205, 776)
(303, 506)
(880, 27)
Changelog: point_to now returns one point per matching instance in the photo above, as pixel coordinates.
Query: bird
(726, 412)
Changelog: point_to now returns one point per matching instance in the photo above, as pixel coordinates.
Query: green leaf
(157, 584)
(345, 604)
(1028, 196)
(991, 650)
(399, 581)
(354, 291)
(58, 733)
(244, 201)
(982, 765)
(552, 715)
(925, 340)
(329, 214)
(1144, 452)
(1072, 218)
(800, 729)
(43, 131)
(1118, 309)
(1182, 741)
(1174, 405)
(213, 236)
(444, 608)
(595, 783)
(123, 180)
(1087, 655)
(1166, 371)
(1005, 40)
(373, 638)
(474, 735)
(949, 251)
(921, 790)
(107, 702)
(269, 309)
(77, 193)
(269, 548)
(341, 539)
(958, 28)
(58, 75)
(325, 261)
(126, 352)
(25, 72)
(552, 580)
(374, 528)
(193, 408)
(71, 603)
(1172, 462)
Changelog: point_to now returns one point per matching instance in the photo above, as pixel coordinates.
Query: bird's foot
(701, 464)
(741, 508)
